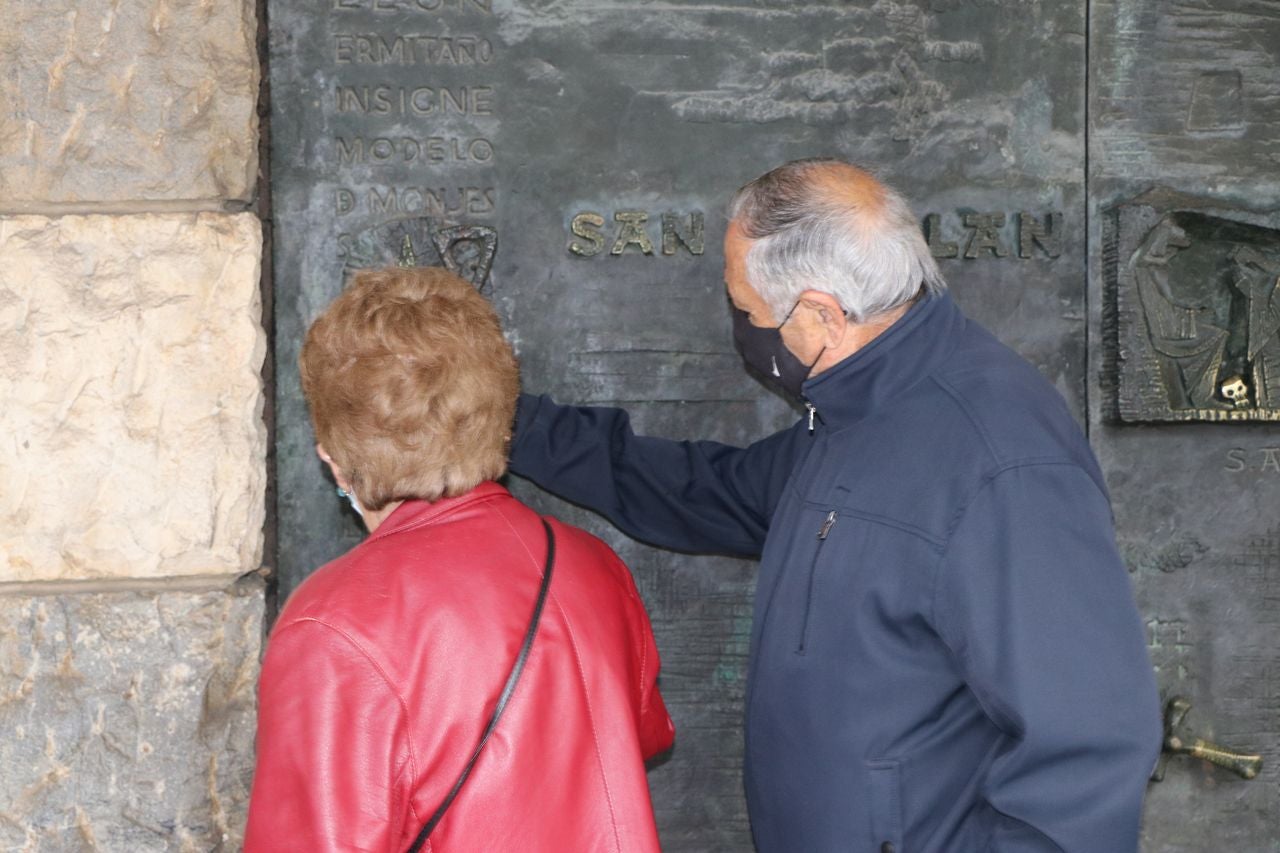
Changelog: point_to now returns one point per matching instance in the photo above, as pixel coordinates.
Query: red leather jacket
(384, 667)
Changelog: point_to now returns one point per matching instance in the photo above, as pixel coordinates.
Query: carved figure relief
(467, 250)
(1197, 316)
(1189, 346)
(1258, 280)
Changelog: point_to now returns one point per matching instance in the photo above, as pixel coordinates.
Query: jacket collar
(416, 513)
(875, 375)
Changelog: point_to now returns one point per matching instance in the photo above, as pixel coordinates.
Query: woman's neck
(373, 519)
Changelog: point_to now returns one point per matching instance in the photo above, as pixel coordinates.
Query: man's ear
(829, 314)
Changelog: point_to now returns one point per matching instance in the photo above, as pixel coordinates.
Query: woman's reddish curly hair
(411, 385)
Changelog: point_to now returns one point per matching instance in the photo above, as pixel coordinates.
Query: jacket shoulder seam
(962, 652)
(963, 508)
(994, 473)
(382, 673)
(962, 404)
(507, 521)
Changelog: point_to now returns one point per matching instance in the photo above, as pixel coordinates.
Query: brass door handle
(1180, 740)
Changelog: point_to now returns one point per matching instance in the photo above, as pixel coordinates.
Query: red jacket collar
(416, 513)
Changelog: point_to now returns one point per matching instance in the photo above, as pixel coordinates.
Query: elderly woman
(470, 672)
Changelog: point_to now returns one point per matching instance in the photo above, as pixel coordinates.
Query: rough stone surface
(131, 438)
(123, 101)
(128, 719)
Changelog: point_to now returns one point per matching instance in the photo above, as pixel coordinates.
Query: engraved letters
(1047, 236)
(384, 150)
(410, 120)
(1170, 647)
(436, 6)
(443, 202)
(631, 232)
(692, 239)
(416, 101)
(1037, 235)
(937, 246)
(1261, 460)
(985, 234)
(587, 226)
(374, 49)
(631, 235)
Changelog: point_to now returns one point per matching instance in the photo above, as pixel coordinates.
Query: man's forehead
(735, 239)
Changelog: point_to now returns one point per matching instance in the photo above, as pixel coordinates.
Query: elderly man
(945, 654)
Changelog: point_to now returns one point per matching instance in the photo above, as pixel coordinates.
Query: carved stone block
(128, 719)
(131, 439)
(111, 102)
(1194, 305)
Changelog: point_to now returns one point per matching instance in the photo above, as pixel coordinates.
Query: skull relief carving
(1236, 391)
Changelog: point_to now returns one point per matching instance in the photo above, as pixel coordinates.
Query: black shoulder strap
(503, 698)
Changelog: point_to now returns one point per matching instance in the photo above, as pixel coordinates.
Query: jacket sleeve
(698, 496)
(333, 760)
(657, 731)
(1035, 603)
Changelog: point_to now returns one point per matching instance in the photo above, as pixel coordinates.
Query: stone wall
(132, 444)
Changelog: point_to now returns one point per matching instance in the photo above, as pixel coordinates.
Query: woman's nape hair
(827, 225)
(411, 385)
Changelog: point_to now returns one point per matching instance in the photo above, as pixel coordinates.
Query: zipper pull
(827, 525)
(812, 412)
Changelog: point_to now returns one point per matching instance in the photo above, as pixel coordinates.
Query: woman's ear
(333, 468)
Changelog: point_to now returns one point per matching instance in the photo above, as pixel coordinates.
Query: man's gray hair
(826, 225)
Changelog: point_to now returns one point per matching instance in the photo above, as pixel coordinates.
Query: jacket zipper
(812, 412)
(764, 627)
(823, 532)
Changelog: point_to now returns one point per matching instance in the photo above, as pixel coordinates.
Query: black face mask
(762, 349)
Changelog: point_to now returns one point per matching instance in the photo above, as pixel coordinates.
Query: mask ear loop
(351, 498)
(789, 313)
(788, 317)
(797, 305)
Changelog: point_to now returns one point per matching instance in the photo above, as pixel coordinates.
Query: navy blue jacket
(945, 654)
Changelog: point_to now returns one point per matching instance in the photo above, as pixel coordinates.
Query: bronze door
(573, 158)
